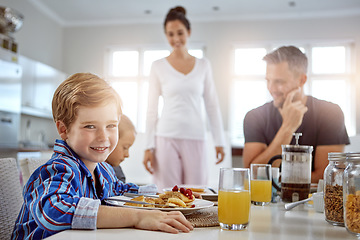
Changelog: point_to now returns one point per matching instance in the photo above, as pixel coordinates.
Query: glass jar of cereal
(333, 188)
(351, 188)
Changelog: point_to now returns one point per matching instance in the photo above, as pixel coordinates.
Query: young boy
(66, 192)
(127, 134)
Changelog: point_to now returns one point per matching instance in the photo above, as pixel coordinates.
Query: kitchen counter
(268, 222)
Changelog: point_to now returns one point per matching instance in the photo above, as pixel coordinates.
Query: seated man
(268, 127)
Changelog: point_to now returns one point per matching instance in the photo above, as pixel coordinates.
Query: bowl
(10, 20)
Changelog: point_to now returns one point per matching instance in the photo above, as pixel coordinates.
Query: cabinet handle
(6, 120)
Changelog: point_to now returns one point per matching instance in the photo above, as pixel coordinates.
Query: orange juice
(234, 207)
(260, 190)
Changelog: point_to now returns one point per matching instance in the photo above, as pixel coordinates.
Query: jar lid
(353, 156)
(337, 156)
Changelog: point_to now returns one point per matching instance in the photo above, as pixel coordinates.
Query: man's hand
(292, 112)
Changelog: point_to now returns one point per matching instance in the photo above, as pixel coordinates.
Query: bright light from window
(144, 103)
(336, 92)
(248, 61)
(247, 95)
(327, 60)
(152, 55)
(128, 94)
(125, 63)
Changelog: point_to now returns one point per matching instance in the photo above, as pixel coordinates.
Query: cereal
(334, 203)
(352, 209)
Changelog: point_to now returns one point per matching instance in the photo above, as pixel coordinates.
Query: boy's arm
(89, 214)
(85, 214)
(117, 217)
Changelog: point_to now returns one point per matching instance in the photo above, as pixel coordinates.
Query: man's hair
(81, 90)
(296, 60)
(125, 125)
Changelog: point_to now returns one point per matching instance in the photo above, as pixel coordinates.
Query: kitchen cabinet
(39, 81)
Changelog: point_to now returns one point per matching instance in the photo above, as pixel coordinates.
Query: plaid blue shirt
(61, 195)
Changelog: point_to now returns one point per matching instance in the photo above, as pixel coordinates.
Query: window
(329, 75)
(331, 80)
(125, 64)
(128, 71)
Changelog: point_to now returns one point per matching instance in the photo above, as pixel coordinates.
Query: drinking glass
(234, 198)
(261, 188)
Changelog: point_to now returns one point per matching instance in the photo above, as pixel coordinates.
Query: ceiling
(104, 12)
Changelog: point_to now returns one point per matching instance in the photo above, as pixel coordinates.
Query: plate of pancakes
(178, 199)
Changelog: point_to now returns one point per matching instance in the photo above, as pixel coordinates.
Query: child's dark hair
(177, 13)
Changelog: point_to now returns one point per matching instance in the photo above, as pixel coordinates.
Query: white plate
(199, 204)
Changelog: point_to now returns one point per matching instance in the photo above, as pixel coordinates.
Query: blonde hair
(81, 90)
(126, 125)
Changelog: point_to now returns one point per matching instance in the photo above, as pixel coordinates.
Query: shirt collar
(61, 147)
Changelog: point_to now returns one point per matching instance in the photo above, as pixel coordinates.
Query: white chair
(29, 165)
(10, 196)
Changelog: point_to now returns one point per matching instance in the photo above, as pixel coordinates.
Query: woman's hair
(297, 61)
(177, 13)
(81, 90)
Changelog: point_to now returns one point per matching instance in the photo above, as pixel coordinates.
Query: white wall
(40, 37)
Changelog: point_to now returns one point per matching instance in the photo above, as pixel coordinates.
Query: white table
(268, 222)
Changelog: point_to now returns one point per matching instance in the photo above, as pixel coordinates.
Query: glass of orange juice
(261, 188)
(234, 198)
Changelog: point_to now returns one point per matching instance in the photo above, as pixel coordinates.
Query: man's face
(281, 81)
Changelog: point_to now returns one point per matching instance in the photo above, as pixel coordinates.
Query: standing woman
(175, 151)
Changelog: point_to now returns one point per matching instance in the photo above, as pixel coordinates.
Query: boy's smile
(94, 133)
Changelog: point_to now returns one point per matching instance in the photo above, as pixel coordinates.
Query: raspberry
(183, 191)
(175, 188)
(188, 193)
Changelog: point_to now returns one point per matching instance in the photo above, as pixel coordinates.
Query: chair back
(10, 196)
(29, 165)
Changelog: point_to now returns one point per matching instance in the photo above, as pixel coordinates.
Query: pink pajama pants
(179, 161)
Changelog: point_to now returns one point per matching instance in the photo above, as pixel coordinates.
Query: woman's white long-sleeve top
(184, 96)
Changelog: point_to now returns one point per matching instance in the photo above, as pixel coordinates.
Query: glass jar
(333, 188)
(351, 187)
